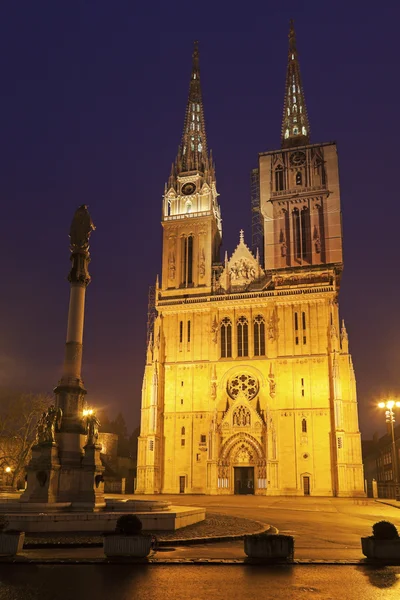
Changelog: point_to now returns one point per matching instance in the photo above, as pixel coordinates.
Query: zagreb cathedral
(249, 386)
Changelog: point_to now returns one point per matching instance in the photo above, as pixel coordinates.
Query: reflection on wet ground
(180, 582)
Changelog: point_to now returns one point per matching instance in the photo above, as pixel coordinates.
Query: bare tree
(19, 414)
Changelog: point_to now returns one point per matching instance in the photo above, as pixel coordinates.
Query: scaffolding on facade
(151, 312)
(257, 230)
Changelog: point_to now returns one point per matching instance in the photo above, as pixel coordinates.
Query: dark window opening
(298, 178)
(180, 333)
(242, 337)
(305, 233)
(301, 234)
(226, 338)
(304, 426)
(188, 331)
(279, 179)
(297, 234)
(187, 260)
(190, 260)
(259, 336)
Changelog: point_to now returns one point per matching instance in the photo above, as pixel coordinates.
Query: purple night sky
(93, 97)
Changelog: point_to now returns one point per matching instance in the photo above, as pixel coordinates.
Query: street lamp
(8, 475)
(389, 414)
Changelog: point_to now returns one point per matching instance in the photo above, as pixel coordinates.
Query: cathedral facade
(249, 387)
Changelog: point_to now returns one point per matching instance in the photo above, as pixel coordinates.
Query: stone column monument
(65, 467)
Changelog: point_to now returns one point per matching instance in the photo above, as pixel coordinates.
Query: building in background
(378, 464)
(120, 470)
(249, 386)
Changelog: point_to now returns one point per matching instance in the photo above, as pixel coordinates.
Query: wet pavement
(230, 551)
(172, 582)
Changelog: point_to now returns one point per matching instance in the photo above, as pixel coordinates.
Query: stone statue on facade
(202, 265)
(81, 228)
(272, 382)
(40, 429)
(214, 330)
(92, 429)
(272, 326)
(171, 265)
(49, 423)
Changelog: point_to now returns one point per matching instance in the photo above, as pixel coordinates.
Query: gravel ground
(215, 525)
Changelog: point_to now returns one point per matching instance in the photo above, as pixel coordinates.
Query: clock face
(188, 188)
(298, 158)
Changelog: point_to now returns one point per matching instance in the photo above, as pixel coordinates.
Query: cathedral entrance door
(244, 480)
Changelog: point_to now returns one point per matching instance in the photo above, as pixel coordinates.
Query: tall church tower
(300, 206)
(191, 216)
(249, 386)
(300, 190)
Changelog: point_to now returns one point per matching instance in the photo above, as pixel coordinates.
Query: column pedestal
(42, 475)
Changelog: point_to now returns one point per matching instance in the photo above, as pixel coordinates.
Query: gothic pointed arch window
(304, 426)
(279, 178)
(183, 431)
(259, 335)
(301, 234)
(242, 337)
(169, 208)
(187, 260)
(305, 233)
(226, 338)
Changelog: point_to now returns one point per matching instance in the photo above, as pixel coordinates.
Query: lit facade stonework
(249, 386)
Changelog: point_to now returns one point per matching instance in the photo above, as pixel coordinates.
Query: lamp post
(390, 418)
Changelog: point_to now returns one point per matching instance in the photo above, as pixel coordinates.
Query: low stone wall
(175, 518)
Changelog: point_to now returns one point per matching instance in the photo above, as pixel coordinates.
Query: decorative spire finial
(241, 238)
(292, 37)
(295, 125)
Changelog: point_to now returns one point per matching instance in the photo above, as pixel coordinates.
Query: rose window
(243, 384)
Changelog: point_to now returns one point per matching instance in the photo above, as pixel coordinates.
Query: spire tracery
(295, 125)
(193, 153)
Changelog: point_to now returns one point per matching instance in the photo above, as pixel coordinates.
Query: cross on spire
(241, 236)
(295, 125)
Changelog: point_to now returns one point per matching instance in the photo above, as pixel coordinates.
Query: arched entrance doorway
(243, 470)
(242, 463)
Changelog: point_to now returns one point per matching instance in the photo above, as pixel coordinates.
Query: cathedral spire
(192, 154)
(295, 125)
